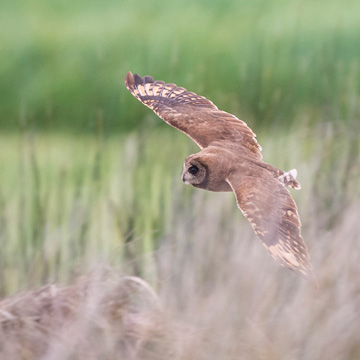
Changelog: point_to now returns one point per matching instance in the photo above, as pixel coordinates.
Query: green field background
(90, 176)
(63, 63)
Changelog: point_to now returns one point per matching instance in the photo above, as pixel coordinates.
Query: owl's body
(230, 160)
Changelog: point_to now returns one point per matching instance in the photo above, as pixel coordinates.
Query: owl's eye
(193, 169)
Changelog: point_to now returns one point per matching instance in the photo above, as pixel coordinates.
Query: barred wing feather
(192, 114)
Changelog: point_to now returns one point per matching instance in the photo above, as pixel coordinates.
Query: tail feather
(289, 179)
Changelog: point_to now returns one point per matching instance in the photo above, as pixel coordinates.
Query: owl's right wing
(192, 114)
(273, 215)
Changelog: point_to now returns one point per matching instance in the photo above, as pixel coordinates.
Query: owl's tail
(289, 179)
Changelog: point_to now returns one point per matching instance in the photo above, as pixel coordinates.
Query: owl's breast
(214, 183)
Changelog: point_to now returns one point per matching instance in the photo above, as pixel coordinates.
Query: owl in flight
(230, 160)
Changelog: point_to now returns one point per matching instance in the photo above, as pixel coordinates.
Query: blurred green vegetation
(66, 202)
(69, 202)
(62, 63)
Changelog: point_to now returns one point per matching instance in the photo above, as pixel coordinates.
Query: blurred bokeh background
(63, 62)
(89, 175)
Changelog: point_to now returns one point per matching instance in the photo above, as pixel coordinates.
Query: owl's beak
(183, 179)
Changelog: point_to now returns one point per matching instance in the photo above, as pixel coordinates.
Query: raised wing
(273, 215)
(192, 114)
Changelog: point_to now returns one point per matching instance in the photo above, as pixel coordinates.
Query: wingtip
(129, 80)
(310, 276)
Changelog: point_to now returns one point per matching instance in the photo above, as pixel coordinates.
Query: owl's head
(194, 172)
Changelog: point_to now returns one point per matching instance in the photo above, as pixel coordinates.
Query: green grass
(66, 199)
(63, 63)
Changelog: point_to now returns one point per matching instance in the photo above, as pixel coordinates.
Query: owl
(230, 160)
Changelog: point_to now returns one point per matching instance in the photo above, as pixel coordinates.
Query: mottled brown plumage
(230, 160)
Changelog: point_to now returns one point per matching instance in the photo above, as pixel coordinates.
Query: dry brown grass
(246, 307)
(222, 299)
(101, 316)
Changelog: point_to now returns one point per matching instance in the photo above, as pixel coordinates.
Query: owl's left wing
(273, 215)
(192, 114)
